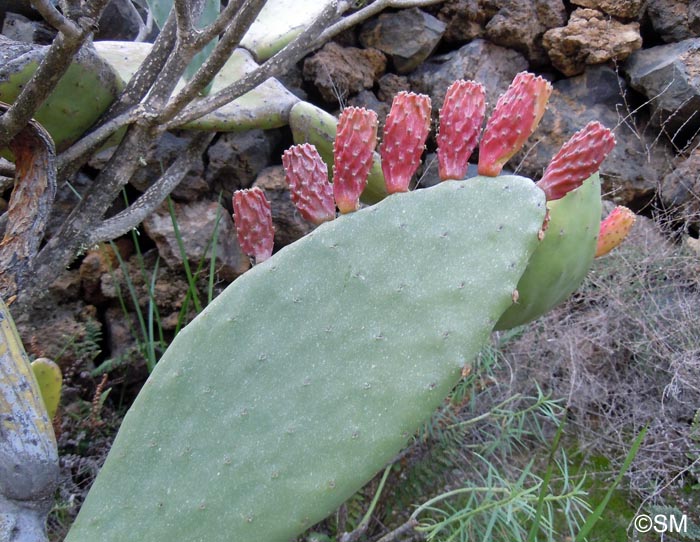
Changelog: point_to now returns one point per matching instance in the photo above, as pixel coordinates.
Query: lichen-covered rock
(388, 32)
(589, 38)
(669, 76)
(625, 9)
(675, 20)
(337, 72)
(521, 25)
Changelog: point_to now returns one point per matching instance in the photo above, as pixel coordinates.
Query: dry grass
(625, 353)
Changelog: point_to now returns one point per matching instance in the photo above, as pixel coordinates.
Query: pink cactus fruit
(307, 176)
(460, 125)
(252, 216)
(405, 131)
(577, 160)
(516, 115)
(355, 140)
(614, 229)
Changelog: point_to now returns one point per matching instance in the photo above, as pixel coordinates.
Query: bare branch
(155, 195)
(235, 31)
(72, 158)
(218, 26)
(277, 64)
(183, 16)
(367, 12)
(54, 17)
(53, 66)
(400, 532)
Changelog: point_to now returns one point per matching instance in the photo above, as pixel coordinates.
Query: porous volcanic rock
(625, 9)
(196, 222)
(338, 72)
(669, 76)
(590, 37)
(680, 189)
(482, 61)
(521, 25)
(388, 33)
(675, 20)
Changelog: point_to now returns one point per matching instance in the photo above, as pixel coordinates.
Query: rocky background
(634, 65)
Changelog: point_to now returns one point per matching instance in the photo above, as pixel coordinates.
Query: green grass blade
(598, 512)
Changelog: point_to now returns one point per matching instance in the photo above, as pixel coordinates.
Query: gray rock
(521, 25)
(680, 189)
(493, 66)
(590, 37)
(675, 20)
(669, 76)
(388, 33)
(338, 72)
(20, 28)
(235, 159)
(625, 9)
(632, 170)
(119, 22)
(196, 223)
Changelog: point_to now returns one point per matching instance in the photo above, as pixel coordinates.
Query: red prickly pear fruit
(353, 149)
(516, 115)
(252, 216)
(577, 160)
(307, 176)
(406, 129)
(460, 125)
(614, 229)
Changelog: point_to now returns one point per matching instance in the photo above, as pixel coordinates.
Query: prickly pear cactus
(86, 90)
(311, 371)
(50, 381)
(562, 260)
(28, 454)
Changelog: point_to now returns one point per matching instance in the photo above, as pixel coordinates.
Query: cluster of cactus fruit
(312, 371)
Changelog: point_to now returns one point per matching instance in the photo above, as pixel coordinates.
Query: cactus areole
(311, 371)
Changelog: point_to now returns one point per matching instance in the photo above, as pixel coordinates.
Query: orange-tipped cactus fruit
(461, 116)
(517, 114)
(355, 140)
(252, 216)
(406, 129)
(307, 177)
(614, 229)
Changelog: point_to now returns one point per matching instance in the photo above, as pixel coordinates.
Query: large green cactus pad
(85, 91)
(266, 106)
(312, 370)
(563, 259)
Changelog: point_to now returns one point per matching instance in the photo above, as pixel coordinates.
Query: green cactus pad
(561, 262)
(311, 371)
(50, 380)
(311, 124)
(85, 91)
(278, 23)
(266, 106)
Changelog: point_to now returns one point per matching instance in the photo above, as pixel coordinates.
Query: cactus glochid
(312, 370)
